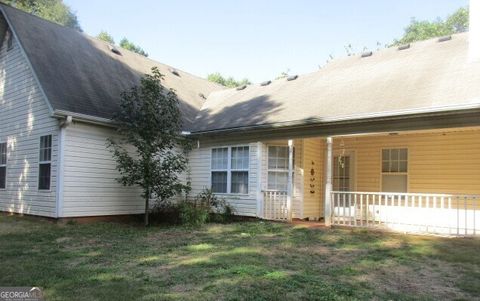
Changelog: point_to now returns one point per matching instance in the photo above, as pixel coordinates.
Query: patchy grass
(241, 261)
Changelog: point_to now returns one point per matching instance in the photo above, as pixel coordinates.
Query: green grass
(240, 261)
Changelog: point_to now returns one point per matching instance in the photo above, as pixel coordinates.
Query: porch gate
(443, 214)
(275, 205)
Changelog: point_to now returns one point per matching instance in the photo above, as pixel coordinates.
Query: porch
(422, 181)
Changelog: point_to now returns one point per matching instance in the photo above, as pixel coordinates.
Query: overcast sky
(254, 39)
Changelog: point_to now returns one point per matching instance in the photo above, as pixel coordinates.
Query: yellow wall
(440, 162)
(313, 151)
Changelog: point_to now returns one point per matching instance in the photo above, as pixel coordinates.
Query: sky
(251, 39)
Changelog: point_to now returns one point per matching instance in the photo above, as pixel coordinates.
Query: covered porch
(425, 181)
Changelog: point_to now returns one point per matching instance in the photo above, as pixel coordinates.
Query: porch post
(328, 183)
(290, 179)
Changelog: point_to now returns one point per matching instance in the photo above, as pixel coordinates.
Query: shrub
(219, 210)
(192, 214)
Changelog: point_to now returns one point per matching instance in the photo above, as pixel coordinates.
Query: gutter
(349, 119)
(84, 118)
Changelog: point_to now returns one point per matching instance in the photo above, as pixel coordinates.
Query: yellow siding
(440, 162)
(313, 151)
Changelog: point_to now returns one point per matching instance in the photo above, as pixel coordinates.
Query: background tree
(105, 36)
(227, 82)
(52, 10)
(126, 44)
(149, 121)
(423, 30)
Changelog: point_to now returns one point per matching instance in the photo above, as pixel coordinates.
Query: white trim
(260, 212)
(60, 171)
(327, 208)
(290, 179)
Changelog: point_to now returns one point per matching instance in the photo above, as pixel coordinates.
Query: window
(230, 167)
(277, 168)
(3, 165)
(45, 162)
(342, 177)
(239, 166)
(394, 170)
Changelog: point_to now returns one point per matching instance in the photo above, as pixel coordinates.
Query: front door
(343, 172)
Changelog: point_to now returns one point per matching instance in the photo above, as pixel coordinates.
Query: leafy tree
(105, 36)
(227, 82)
(126, 44)
(147, 152)
(52, 10)
(423, 30)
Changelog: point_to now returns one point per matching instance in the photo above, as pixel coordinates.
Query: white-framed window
(230, 169)
(45, 162)
(3, 165)
(277, 168)
(395, 170)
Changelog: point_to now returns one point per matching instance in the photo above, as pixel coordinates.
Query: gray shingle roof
(430, 75)
(80, 74)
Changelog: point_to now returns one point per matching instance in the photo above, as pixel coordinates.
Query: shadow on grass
(242, 261)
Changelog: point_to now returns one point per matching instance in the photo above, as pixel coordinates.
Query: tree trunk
(147, 207)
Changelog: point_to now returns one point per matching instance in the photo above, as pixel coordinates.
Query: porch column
(290, 179)
(328, 183)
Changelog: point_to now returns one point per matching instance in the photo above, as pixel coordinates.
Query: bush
(193, 215)
(205, 207)
(219, 210)
(166, 213)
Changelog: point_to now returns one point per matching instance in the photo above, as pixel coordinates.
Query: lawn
(239, 261)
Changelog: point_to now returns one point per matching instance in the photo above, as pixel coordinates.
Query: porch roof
(429, 76)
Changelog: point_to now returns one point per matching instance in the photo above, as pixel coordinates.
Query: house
(388, 138)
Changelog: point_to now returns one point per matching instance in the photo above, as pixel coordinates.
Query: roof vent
(446, 38)
(292, 77)
(266, 83)
(367, 54)
(114, 49)
(403, 47)
(202, 95)
(241, 87)
(174, 71)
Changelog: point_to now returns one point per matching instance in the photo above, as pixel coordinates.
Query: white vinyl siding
(90, 188)
(24, 118)
(200, 164)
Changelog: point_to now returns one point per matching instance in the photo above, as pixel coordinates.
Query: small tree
(150, 152)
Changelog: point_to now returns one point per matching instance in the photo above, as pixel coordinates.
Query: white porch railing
(408, 212)
(275, 205)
